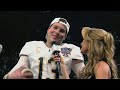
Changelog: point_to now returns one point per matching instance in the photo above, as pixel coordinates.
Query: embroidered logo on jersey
(65, 51)
(38, 49)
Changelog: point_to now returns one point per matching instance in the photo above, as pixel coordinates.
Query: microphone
(56, 51)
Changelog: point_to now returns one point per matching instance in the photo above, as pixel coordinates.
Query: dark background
(18, 27)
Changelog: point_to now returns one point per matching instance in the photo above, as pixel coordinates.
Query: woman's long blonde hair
(100, 47)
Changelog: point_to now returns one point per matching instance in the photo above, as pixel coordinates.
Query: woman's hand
(57, 58)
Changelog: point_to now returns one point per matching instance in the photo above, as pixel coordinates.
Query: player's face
(84, 47)
(57, 32)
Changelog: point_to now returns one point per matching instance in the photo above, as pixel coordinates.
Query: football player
(37, 55)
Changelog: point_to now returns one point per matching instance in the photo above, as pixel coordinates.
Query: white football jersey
(39, 58)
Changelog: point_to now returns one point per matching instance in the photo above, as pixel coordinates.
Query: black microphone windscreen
(54, 42)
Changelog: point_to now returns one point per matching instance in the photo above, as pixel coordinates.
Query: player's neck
(49, 45)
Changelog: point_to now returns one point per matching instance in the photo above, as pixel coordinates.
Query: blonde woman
(98, 45)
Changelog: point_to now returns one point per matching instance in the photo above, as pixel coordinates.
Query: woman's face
(57, 33)
(84, 47)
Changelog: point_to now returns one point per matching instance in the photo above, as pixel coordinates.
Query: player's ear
(65, 37)
(46, 36)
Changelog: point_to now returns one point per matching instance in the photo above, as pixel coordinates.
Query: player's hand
(21, 73)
